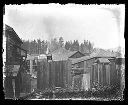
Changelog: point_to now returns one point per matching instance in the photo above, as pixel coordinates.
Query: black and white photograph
(64, 52)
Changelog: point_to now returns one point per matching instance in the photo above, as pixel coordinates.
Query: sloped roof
(7, 27)
(102, 53)
(76, 60)
(73, 52)
(103, 60)
(10, 29)
(99, 53)
(60, 54)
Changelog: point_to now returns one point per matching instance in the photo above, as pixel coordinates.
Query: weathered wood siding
(54, 74)
(77, 82)
(102, 73)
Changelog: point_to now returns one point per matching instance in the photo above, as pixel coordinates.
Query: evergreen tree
(25, 45)
(61, 42)
(82, 47)
(54, 45)
(39, 46)
(67, 45)
(34, 47)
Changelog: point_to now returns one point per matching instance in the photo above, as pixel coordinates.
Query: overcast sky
(102, 25)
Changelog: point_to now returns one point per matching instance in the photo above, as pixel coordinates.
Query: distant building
(98, 68)
(63, 54)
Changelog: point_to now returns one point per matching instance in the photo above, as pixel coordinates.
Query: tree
(38, 46)
(86, 47)
(75, 45)
(54, 45)
(118, 52)
(90, 47)
(82, 47)
(25, 45)
(35, 47)
(67, 45)
(43, 47)
(61, 42)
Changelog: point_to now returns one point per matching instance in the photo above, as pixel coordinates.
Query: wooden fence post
(69, 75)
(53, 74)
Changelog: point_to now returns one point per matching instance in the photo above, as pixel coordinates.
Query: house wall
(81, 64)
(100, 73)
(77, 82)
(13, 53)
(113, 73)
(13, 57)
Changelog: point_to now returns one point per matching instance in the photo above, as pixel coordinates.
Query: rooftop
(14, 35)
(100, 54)
(62, 54)
(103, 60)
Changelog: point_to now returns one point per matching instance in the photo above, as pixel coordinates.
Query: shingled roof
(62, 54)
(102, 53)
(99, 54)
(103, 60)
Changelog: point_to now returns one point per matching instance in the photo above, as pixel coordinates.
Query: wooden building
(99, 69)
(63, 54)
(13, 60)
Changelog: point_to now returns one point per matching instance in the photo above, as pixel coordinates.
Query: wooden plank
(53, 74)
(49, 69)
(108, 74)
(46, 74)
(100, 74)
(60, 66)
(69, 75)
(98, 68)
(62, 69)
(42, 78)
(65, 74)
(90, 78)
(38, 75)
(56, 74)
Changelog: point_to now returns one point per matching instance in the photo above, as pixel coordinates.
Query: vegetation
(40, 46)
(109, 93)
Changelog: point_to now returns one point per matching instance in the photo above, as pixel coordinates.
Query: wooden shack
(100, 69)
(15, 56)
